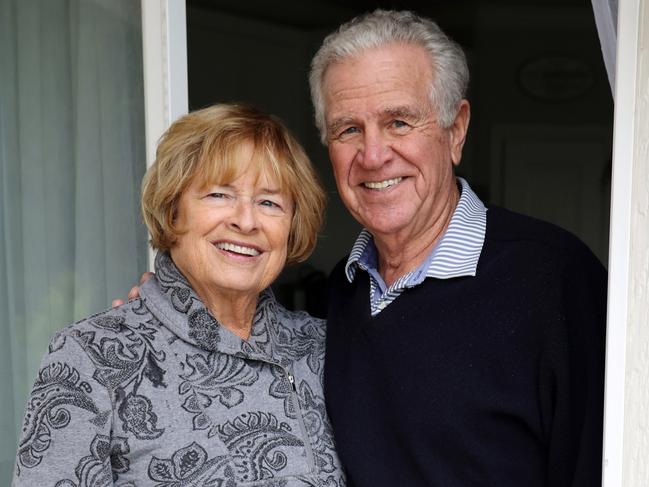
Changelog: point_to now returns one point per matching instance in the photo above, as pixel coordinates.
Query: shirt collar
(455, 255)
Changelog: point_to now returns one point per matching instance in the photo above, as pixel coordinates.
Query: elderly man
(465, 347)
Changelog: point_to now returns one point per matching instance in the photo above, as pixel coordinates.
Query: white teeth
(237, 248)
(382, 184)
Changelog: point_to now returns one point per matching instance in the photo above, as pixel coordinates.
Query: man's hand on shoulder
(135, 290)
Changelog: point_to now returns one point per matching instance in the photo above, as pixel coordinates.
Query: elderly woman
(205, 380)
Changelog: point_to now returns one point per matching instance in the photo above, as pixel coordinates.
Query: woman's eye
(218, 197)
(269, 204)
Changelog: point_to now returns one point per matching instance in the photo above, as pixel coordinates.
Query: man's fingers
(145, 277)
(134, 293)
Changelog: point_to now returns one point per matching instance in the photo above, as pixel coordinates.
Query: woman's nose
(244, 217)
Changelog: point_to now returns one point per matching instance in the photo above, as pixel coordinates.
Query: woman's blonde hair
(205, 146)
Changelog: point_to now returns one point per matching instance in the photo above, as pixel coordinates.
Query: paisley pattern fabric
(157, 393)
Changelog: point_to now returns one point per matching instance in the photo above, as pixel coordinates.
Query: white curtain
(71, 160)
(606, 20)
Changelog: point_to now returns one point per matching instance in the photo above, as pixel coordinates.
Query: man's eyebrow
(405, 112)
(402, 112)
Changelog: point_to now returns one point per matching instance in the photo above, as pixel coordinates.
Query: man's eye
(399, 124)
(348, 131)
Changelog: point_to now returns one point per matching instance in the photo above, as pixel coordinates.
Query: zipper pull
(291, 379)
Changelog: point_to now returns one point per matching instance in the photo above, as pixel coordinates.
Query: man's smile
(386, 183)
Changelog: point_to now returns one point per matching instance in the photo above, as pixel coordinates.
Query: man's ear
(459, 130)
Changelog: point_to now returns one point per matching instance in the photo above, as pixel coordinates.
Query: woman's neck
(233, 310)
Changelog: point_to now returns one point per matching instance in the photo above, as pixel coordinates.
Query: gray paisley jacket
(156, 393)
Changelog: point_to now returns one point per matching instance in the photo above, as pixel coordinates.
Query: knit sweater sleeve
(572, 375)
(66, 431)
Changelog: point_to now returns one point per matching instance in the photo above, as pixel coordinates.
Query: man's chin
(383, 227)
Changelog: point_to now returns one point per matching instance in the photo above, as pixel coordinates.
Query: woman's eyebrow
(270, 191)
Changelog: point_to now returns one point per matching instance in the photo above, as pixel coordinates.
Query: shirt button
(382, 305)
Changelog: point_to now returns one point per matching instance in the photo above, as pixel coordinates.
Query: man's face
(392, 161)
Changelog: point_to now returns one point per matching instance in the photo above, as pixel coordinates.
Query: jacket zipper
(307, 439)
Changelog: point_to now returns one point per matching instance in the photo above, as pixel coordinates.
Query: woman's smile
(236, 249)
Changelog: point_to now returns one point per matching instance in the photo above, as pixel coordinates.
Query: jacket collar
(173, 301)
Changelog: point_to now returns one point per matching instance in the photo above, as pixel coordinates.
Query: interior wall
(543, 116)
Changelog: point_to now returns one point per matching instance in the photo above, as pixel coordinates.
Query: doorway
(533, 64)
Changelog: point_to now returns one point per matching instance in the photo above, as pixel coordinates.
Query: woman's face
(236, 235)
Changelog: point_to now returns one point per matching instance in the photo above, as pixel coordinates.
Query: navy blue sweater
(493, 380)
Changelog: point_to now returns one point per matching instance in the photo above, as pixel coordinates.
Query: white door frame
(164, 46)
(620, 240)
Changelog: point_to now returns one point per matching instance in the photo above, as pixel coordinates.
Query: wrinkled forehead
(395, 69)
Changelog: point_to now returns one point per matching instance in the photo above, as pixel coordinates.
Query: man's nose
(244, 217)
(375, 150)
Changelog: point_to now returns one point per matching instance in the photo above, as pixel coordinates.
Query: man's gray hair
(384, 27)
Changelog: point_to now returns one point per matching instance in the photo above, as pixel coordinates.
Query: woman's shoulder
(113, 323)
(300, 326)
(299, 318)
(287, 318)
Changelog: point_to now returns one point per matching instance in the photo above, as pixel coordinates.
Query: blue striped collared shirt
(455, 255)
